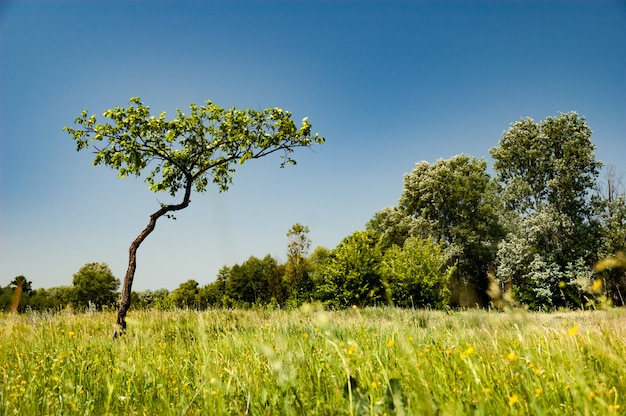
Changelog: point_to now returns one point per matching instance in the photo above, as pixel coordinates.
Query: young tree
(185, 154)
(94, 284)
(296, 275)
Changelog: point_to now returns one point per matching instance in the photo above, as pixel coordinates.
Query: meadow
(310, 361)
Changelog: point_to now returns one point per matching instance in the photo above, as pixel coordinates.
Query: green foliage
(208, 143)
(94, 285)
(547, 172)
(51, 299)
(7, 294)
(187, 295)
(350, 275)
(296, 276)
(254, 282)
(416, 274)
(547, 163)
(454, 202)
(611, 205)
(393, 225)
(184, 153)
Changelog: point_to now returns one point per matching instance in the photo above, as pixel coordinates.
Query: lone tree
(184, 154)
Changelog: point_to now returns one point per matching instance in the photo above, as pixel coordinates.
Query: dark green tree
(185, 154)
(94, 284)
(253, 282)
(454, 202)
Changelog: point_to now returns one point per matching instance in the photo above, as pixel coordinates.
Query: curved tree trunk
(132, 258)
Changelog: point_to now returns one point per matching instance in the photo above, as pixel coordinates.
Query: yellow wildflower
(597, 286)
(391, 343)
(513, 399)
(573, 330)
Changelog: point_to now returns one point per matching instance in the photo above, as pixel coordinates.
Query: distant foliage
(351, 273)
(543, 234)
(94, 286)
(416, 275)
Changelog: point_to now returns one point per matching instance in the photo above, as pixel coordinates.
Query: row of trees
(93, 287)
(458, 236)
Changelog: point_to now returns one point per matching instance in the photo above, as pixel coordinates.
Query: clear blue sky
(387, 83)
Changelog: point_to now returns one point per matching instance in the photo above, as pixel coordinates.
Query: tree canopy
(547, 172)
(186, 153)
(94, 284)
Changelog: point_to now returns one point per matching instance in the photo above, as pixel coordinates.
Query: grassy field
(372, 361)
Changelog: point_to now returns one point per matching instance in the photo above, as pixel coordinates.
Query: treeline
(544, 232)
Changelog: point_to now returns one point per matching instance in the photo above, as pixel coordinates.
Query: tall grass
(372, 361)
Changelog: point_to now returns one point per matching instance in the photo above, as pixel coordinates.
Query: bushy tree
(350, 274)
(547, 172)
(212, 294)
(94, 285)
(186, 295)
(394, 226)
(454, 202)
(255, 281)
(416, 274)
(547, 163)
(185, 154)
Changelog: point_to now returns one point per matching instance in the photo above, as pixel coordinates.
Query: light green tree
(184, 154)
(416, 274)
(94, 284)
(350, 273)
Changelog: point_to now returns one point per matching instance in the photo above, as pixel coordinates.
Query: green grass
(372, 361)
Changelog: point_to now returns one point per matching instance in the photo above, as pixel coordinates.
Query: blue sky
(387, 83)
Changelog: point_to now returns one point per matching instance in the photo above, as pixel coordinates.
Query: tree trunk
(132, 258)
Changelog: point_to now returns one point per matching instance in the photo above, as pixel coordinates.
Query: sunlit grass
(372, 361)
